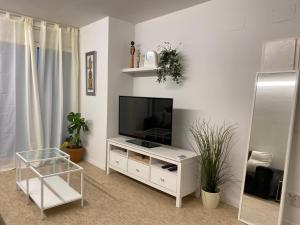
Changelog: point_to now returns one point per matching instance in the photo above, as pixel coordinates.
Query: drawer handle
(162, 179)
(137, 170)
(117, 161)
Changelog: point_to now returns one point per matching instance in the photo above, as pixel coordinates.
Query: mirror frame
(288, 150)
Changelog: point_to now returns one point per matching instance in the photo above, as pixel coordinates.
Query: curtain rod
(35, 19)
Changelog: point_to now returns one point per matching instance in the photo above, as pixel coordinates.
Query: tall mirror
(269, 146)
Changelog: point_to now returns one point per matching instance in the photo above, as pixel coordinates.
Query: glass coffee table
(47, 188)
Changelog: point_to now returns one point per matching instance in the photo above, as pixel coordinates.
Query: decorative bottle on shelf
(132, 51)
(138, 58)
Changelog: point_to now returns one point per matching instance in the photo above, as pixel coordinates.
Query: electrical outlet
(293, 199)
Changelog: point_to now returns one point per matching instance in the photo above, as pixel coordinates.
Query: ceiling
(82, 12)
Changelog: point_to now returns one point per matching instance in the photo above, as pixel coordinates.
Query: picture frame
(91, 72)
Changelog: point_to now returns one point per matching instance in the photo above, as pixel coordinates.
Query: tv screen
(146, 118)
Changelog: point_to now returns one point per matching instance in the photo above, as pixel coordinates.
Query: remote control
(167, 166)
(173, 168)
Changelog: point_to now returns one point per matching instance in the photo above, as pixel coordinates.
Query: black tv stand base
(143, 143)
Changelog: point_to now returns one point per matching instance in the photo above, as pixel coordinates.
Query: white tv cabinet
(144, 164)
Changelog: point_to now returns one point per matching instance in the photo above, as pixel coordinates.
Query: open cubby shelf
(139, 157)
(119, 150)
(159, 163)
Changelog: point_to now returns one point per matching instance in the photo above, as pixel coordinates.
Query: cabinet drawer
(163, 178)
(138, 169)
(118, 160)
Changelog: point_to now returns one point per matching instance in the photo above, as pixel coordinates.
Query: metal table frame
(28, 164)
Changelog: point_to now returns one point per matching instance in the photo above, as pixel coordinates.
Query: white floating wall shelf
(139, 70)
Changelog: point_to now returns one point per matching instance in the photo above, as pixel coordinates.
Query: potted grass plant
(212, 144)
(73, 145)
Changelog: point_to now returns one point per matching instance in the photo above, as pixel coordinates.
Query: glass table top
(54, 166)
(40, 155)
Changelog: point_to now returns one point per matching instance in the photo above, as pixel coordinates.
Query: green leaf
(169, 64)
(76, 123)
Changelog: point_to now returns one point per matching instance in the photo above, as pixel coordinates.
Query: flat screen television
(147, 119)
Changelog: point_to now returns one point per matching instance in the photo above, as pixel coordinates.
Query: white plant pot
(210, 200)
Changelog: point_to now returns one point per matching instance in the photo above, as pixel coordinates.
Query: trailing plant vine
(169, 64)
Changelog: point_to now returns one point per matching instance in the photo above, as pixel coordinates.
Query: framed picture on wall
(90, 62)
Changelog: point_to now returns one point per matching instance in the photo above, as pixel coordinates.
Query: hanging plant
(169, 64)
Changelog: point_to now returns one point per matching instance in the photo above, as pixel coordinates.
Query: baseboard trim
(98, 164)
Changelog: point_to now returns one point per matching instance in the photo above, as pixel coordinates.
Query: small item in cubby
(167, 166)
(140, 158)
(173, 168)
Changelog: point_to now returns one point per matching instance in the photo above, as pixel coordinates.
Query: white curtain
(58, 79)
(38, 85)
(12, 65)
(51, 82)
(33, 109)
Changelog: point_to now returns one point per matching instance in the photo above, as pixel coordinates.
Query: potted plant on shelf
(170, 64)
(212, 144)
(73, 143)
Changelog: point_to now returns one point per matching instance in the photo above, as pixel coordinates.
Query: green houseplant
(73, 144)
(169, 64)
(213, 144)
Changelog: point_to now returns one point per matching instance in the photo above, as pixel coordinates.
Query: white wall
(110, 37)
(120, 35)
(221, 43)
(94, 37)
